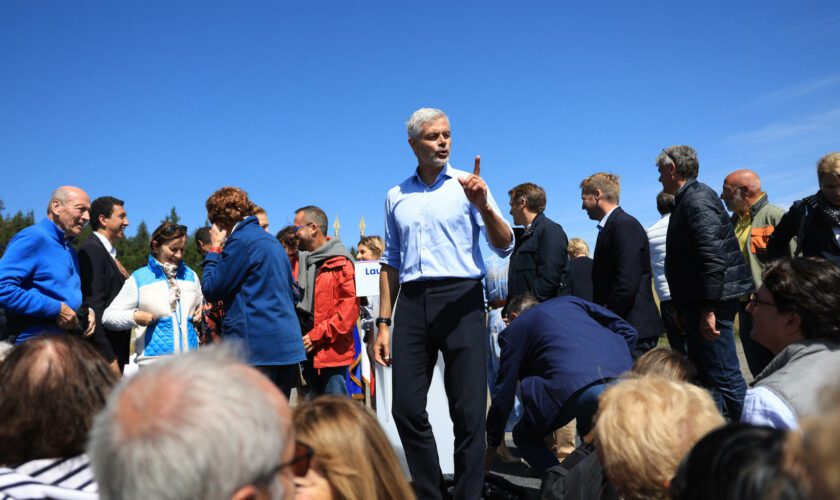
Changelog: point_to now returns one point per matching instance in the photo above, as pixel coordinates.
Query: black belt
(434, 283)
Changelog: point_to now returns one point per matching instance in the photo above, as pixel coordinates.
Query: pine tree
(10, 226)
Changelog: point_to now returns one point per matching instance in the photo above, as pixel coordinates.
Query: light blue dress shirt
(431, 232)
(763, 407)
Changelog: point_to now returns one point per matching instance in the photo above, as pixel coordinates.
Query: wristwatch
(383, 321)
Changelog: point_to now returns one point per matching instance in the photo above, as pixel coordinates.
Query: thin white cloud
(792, 92)
(786, 130)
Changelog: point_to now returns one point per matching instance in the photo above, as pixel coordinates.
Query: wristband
(215, 250)
(383, 321)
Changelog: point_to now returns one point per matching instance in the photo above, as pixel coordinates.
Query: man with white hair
(200, 425)
(432, 256)
(40, 287)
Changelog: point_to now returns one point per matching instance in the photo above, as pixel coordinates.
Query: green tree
(10, 226)
(134, 252)
(173, 217)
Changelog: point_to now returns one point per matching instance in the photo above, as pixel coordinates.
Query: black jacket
(817, 234)
(540, 264)
(703, 261)
(621, 277)
(101, 282)
(580, 277)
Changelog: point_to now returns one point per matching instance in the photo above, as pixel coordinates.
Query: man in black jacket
(539, 264)
(706, 274)
(621, 278)
(103, 275)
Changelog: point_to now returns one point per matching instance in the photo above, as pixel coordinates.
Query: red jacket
(335, 311)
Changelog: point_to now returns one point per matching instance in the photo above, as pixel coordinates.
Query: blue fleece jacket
(254, 279)
(38, 272)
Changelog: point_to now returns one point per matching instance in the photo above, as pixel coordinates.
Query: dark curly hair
(809, 287)
(229, 205)
(52, 388)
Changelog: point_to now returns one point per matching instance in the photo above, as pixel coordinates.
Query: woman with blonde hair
(814, 221)
(352, 459)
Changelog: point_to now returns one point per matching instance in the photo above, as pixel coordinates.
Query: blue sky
(160, 103)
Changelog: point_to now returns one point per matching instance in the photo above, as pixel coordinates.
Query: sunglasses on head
(170, 229)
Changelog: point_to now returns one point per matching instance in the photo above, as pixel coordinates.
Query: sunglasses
(298, 228)
(299, 464)
(668, 155)
(170, 229)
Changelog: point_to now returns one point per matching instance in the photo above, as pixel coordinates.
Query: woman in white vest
(161, 299)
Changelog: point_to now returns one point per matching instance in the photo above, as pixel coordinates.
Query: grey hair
(421, 117)
(316, 215)
(682, 157)
(60, 195)
(220, 433)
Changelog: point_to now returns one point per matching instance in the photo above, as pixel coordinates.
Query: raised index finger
(477, 167)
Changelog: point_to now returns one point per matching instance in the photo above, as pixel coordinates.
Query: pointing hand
(475, 188)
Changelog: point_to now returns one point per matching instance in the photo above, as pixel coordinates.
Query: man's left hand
(475, 188)
(307, 343)
(708, 329)
(91, 323)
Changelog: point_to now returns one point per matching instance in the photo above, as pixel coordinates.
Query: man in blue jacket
(40, 287)
(254, 279)
(562, 352)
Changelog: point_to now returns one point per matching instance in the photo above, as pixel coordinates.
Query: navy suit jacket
(553, 350)
(101, 282)
(621, 277)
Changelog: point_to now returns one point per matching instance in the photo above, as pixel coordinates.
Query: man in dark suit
(562, 353)
(539, 264)
(621, 277)
(103, 275)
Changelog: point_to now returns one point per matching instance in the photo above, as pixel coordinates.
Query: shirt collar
(444, 172)
(107, 243)
(54, 230)
(603, 221)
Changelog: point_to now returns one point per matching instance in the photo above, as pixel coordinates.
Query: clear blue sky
(160, 103)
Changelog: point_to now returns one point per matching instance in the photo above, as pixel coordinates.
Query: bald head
(69, 209)
(741, 189)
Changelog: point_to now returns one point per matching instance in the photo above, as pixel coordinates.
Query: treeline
(133, 252)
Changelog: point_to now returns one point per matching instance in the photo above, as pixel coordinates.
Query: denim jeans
(531, 441)
(326, 380)
(676, 339)
(717, 360)
(495, 325)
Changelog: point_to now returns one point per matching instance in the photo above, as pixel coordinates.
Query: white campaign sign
(367, 278)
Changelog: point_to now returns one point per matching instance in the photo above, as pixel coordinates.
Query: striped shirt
(59, 478)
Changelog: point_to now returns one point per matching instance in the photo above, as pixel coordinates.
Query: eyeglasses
(299, 464)
(754, 301)
(298, 228)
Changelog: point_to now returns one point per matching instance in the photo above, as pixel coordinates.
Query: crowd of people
(173, 382)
